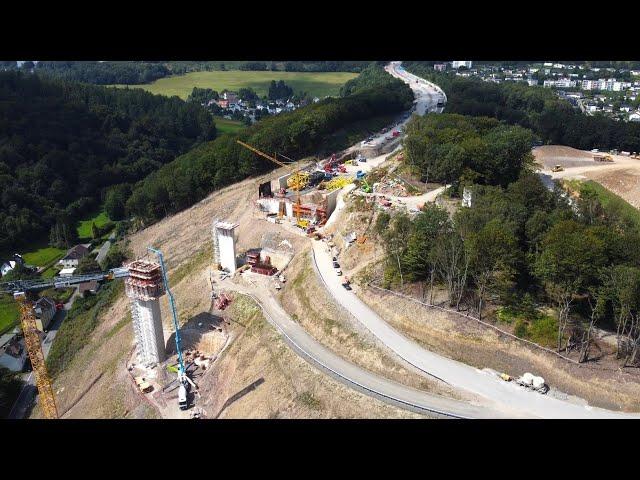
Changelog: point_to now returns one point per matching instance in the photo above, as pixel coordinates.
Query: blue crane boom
(182, 372)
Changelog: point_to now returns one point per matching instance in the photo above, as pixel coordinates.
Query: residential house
(634, 117)
(73, 256)
(230, 96)
(223, 103)
(9, 265)
(440, 67)
(91, 287)
(13, 353)
(45, 310)
(461, 63)
(67, 272)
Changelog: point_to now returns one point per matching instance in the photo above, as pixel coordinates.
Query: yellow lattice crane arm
(262, 154)
(34, 349)
(298, 181)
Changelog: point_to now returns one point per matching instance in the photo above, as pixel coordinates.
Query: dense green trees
(115, 200)
(553, 119)
(457, 149)
(105, 73)
(373, 75)
(279, 90)
(523, 245)
(62, 144)
(255, 66)
(202, 95)
(216, 164)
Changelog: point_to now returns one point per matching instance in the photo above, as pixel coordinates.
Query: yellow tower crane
(34, 349)
(298, 180)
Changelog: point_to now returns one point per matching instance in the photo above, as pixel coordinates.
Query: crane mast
(32, 342)
(34, 349)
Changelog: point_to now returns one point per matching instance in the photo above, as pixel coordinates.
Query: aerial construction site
(258, 302)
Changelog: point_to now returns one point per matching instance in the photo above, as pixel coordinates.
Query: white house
(73, 256)
(67, 272)
(461, 63)
(9, 265)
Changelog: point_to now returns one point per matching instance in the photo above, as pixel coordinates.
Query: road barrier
(471, 317)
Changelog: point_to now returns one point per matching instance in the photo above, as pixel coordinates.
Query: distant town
(608, 91)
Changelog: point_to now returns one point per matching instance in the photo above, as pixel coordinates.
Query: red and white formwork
(144, 287)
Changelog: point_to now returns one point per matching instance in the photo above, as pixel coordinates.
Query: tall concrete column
(144, 287)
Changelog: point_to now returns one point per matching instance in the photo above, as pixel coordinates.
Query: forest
(460, 150)
(104, 73)
(141, 72)
(519, 248)
(373, 75)
(295, 134)
(63, 144)
(551, 118)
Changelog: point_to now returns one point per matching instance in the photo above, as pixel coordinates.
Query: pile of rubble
(391, 187)
(198, 358)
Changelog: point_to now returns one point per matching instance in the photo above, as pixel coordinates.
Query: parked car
(338, 272)
(334, 259)
(346, 286)
(336, 264)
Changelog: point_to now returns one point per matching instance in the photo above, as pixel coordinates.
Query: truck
(533, 382)
(182, 397)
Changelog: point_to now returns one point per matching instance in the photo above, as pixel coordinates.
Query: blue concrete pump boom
(182, 372)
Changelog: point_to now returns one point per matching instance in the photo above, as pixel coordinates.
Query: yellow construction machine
(298, 180)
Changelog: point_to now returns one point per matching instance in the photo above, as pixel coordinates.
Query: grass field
(319, 84)
(609, 200)
(224, 125)
(84, 226)
(43, 256)
(612, 201)
(8, 313)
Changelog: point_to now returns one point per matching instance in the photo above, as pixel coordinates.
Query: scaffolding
(216, 245)
(144, 287)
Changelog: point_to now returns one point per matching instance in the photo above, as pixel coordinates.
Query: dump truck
(533, 382)
(557, 168)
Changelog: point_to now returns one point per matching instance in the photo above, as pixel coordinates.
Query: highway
(510, 398)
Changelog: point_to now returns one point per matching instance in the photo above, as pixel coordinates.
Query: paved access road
(509, 397)
(353, 376)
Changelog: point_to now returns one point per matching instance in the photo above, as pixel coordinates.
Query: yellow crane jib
(34, 349)
(297, 173)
